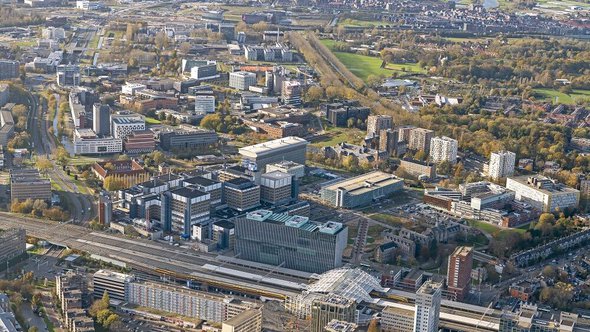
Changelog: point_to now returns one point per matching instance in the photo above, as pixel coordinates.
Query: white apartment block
(204, 105)
(443, 149)
(376, 123)
(241, 80)
(501, 164)
(543, 193)
(123, 126)
(427, 312)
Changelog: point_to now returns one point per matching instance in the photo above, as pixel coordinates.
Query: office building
(501, 164)
(9, 69)
(204, 70)
(459, 272)
(417, 168)
(418, 139)
(394, 319)
(293, 242)
(183, 208)
(132, 88)
(543, 193)
(330, 307)
(276, 188)
(87, 143)
(360, 190)
(205, 185)
(13, 243)
(105, 209)
(68, 75)
(529, 318)
(114, 283)
(223, 233)
(289, 148)
(292, 91)
(28, 183)
(6, 127)
(247, 321)
(241, 80)
(101, 118)
(123, 125)
(426, 315)
(186, 138)
(376, 123)
(140, 142)
(340, 326)
(443, 149)
(241, 194)
(290, 167)
(204, 104)
(211, 307)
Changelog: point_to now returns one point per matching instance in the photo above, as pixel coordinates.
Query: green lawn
(388, 219)
(562, 97)
(359, 23)
(364, 65)
(338, 135)
(152, 121)
(493, 230)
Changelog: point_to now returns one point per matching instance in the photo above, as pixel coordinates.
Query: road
(81, 207)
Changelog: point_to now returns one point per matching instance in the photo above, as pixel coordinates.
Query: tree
(161, 40)
(420, 155)
(373, 327)
(260, 26)
(547, 218)
(185, 48)
(350, 162)
(33, 329)
(444, 168)
(158, 157)
(314, 94)
(61, 156)
(211, 121)
(110, 320)
(44, 165)
(549, 272)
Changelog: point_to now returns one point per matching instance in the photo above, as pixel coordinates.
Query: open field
(336, 136)
(358, 23)
(364, 65)
(562, 97)
(152, 121)
(493, 230)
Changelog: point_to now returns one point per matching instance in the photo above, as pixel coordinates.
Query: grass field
(363, 65)
(562, 97)
(358, 23)
(338, 135)
(493, 230)
(152, 121)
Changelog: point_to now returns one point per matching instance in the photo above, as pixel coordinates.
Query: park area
(363, 65)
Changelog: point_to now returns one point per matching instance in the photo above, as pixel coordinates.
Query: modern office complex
(123, 125)
(330, 307)
(28, 184)
(443, 149)
(426, 315)
(187, 138)
(183, 208)
(214, 188)
(376, 123)
(285, 166)
(289, 148)
(241, 194)
(185, 302)
(68, 75)
(114, 283)
(276, 188)
(501, 164)
(360, 190)
(241, 80)
(293, 242)
(202, 69)
(204, 104)
(12, 244)
(397, 319)
(9, 69)
(86, 142)
(459, 272)
(543, 193)
(101, 118)
(418, 139)
(139, 142)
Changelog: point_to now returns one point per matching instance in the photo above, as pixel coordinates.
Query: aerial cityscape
(295, 165)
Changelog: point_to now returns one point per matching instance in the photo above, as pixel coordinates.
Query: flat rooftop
(462, 251)
(272, 146)
(364, 183)
(546, 185)
(276, 175)
(189, 192)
